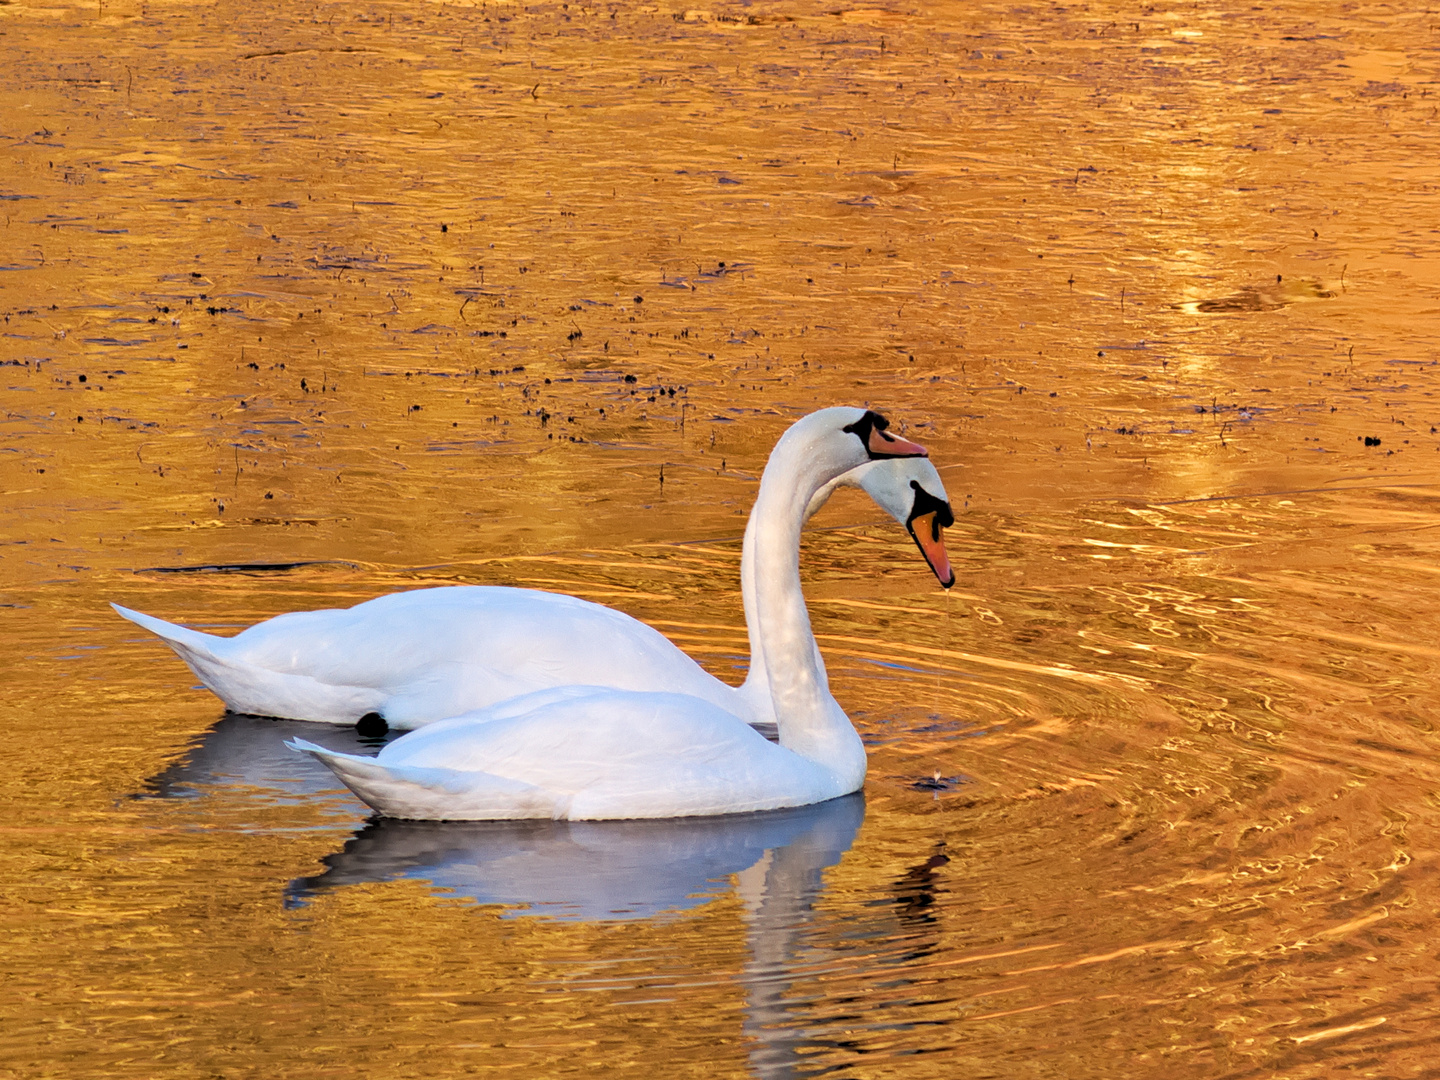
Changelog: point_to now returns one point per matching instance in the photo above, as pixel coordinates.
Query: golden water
(360, 290)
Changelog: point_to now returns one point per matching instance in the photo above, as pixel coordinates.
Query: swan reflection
(607, 871)
(248, 753)
(592, 870)
(612, 870)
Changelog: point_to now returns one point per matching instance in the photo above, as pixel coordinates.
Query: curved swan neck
(783, 650)
(756, 688)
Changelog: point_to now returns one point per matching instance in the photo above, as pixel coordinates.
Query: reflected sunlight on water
(304, 305)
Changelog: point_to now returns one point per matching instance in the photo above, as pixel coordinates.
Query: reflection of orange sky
(875, 214)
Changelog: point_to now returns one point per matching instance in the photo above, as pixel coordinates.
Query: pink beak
(883, 444)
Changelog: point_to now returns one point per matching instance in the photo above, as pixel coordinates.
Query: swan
(411, 658)
(597, 752)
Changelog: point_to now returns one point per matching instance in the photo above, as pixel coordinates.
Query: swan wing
(436, 794)
(417, 656)
(595, 753)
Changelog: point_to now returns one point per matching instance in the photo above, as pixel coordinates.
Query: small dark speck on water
(937, 783)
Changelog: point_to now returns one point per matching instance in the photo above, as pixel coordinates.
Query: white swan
(411, 658)
(594, 752)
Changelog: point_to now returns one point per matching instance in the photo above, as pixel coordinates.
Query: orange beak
(929, 537)
(884, 445)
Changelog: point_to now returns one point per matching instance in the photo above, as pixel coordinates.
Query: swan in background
(594, 752)
(411, 658)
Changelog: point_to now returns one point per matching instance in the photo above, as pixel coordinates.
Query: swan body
(590, 752)
(416, 657)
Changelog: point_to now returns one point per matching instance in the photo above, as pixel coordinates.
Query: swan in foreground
(594, 752)
(411, 658)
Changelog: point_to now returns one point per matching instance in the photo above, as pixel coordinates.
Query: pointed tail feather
(204, 654)
(429, 794)
(249, 688)
(179, 638)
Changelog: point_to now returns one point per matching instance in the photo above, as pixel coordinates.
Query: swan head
(909, 490)
(832, 441)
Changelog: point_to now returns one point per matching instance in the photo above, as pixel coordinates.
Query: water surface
(308, 304)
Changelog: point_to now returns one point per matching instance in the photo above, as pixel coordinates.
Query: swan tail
(180, 638)
(259, 691)
(431, 794)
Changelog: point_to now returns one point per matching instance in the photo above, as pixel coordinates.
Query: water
(1151, 790)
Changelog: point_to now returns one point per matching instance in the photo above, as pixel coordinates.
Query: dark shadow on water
(245, 568)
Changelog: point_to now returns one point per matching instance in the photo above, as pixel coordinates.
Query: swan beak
(882, 444)
(930, 538)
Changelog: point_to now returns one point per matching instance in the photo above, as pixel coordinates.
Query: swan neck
(756, 688)
(783, 649)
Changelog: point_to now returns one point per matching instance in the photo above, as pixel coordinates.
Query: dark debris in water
(244, 568)
(937, 783)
